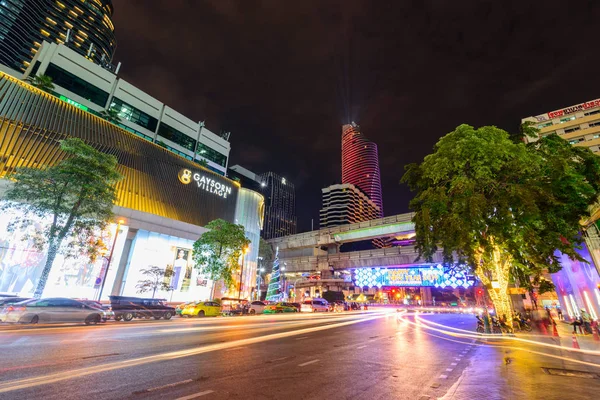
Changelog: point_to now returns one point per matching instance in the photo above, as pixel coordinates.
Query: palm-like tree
(111, 115)
(42, 82)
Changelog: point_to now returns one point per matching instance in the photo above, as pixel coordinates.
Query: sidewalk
(565, 331)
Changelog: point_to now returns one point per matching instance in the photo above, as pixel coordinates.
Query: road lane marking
(280, 359)
(458, 358)
(236, 348)
(308, 363)
(453, 364)
(194, 396)
(443, 376)
(8, 386)
(361, 347)
(302, 338)
(449, 369)
(169, 385)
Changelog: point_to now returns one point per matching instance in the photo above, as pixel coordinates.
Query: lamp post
(244, 251)
(283, 281)
(112, 249)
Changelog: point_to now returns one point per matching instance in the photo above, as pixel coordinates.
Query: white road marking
(361, 347)
(280, 359)
(443, 376)
(236, 348)
(308, 363)
(449, 369)
(16, 342)
(458, 358)
(301, 338)
(168, 385)
(194, 396)
(453, 364)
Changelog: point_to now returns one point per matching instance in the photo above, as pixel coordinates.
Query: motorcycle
(480, 325)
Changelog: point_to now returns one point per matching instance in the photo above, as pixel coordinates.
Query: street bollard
(575, 342)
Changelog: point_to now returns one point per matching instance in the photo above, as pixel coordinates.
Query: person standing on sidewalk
(559, 312)
(587, 328)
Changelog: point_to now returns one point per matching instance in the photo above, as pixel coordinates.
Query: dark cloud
(283, 76)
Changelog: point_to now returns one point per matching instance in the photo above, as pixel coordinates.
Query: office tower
(346, 204)
(360, 164)
(85, 26)
(578, 124)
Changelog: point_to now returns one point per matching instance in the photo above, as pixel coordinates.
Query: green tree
(111, 115)
(155, 281)
(42, 82)
(502, 206)
(77, 195)
(265, 254)
(202, 162)
(218, 251)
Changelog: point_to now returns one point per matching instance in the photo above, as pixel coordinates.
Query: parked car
(298, 306)
(127, 308)
(107, 312)
(279, 308)
(315, 305)
(51, 310)
(202, 309)
(257, 307)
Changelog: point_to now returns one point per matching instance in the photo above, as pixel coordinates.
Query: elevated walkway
(393, 256)
(377, 228)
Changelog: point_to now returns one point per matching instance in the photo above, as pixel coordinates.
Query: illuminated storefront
(164, 201)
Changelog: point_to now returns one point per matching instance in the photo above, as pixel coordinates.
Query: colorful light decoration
(439, 276)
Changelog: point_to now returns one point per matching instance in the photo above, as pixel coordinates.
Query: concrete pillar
(426, 298)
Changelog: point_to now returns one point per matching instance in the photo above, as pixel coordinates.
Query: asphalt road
(368, 355)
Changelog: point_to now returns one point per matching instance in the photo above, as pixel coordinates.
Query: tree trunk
(52, 252)
(499, 266)
(153, 291)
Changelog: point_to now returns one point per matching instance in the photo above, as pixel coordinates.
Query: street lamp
(109, 259)
(245, 250)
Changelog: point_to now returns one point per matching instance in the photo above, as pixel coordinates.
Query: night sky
(283, 75)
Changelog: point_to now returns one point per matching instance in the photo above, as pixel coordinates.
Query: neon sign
(438, 276)
(73, 103)
(204, 182)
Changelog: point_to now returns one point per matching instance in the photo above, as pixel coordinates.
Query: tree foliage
(218, 251)
(156, 280)
(76, 195)
(496, 202)
(265, 254)
(111, 115)
(42, 82)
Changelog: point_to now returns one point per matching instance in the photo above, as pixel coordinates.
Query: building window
(574, 141)
(175, 136)
(130, 113)
(211, 154)
(544, 125)
(77, 85)
(592, 112)
(592, 124)
(575, 128)
(563, 120)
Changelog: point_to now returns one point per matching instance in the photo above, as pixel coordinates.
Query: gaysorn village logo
(204, 182)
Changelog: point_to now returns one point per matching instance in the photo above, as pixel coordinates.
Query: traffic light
(479, 292)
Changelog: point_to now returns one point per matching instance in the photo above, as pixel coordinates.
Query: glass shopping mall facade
(163, 211)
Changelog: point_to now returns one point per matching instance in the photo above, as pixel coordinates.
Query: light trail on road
(80, 372)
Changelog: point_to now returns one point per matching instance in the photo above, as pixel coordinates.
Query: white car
(314, 305)
(257, 307)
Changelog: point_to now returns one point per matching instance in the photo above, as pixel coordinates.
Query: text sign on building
(73, 103)
(204, 182)
(570, 110)
(438, 276)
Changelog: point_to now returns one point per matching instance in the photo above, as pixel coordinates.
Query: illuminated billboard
(427, 276)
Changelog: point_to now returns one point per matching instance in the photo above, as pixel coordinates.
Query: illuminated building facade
(164, 199)
(578, 124)
(346, 204)
(94, 89)
(360, 164)
(280, 200)
(85, 26)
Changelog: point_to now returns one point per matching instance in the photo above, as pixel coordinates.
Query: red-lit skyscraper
(360, 163)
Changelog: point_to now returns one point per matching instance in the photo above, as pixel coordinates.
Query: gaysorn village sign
(204, 182)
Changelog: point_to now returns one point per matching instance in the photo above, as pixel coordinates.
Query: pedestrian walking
(586, 319)
(577, 322)
(560, 314)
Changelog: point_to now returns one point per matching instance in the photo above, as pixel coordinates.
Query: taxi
(201, 309)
